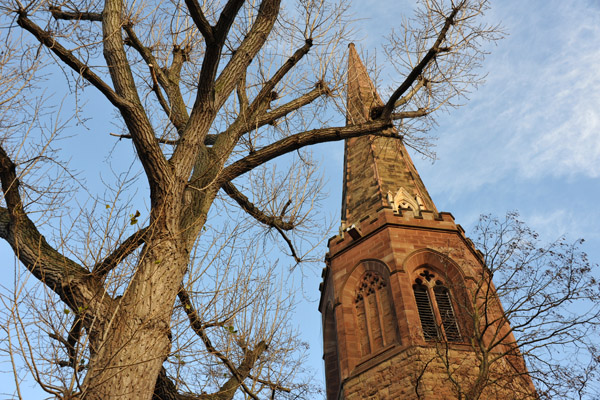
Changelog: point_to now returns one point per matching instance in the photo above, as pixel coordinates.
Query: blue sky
(529, 138)
(526, 140)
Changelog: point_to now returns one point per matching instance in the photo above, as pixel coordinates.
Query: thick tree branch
(260, 216)
(69, 59)
(180, 55)
(175, 112)
(406, 98)
(155, 164)
(242, 95)
(418, 70)
(114, 51)
(56, 271)
(421, 112)
(214, 48)
(243, 370)
(272, 116)
(57, 13)
(283, 110)
(173, 73)
(227, 17)
(245, 53)
(200, 20)
(299, 140)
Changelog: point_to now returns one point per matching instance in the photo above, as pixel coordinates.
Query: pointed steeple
(380, 318)
(362, 95)
(378, 171)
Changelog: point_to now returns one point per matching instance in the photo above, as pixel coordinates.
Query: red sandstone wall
(396, 246)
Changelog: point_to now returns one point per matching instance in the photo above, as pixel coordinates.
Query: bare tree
(211, 95)
(542, 307)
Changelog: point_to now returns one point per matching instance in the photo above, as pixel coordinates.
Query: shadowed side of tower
(395, 291)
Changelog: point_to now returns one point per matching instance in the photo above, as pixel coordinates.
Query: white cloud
(538, 114)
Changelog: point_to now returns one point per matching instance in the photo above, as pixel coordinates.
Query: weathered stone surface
(373, 166)
(373, 338)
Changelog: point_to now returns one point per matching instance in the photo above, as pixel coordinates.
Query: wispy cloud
(538, 114)
(557, 128)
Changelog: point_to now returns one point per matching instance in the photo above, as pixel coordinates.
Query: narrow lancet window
(426, 315)
(442, 297)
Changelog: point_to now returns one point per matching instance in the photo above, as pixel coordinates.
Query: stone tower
(396, 291)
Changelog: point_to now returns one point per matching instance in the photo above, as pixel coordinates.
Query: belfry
(397, 294)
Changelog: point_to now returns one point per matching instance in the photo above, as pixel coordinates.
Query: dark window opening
(432, 296)
(442, 297)
(428, 323)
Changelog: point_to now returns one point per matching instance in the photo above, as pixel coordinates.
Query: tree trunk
(128, 357)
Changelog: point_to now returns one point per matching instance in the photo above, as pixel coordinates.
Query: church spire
(395, 289)
(378, 171)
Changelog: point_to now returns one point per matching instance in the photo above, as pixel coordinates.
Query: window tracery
(375, 316)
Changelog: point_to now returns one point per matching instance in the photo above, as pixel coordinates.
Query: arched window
(434, 304)
(376, 321)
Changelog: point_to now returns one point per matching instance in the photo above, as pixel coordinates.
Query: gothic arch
(439, 261)
(367, 296)
(357, 271)
(440, 294)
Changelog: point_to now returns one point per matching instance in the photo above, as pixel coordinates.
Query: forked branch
(69, 59)
(417, 71)
(250, 208)
(200, 20)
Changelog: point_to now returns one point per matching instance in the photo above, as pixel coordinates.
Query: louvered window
(428, 323)
(431, 296)
(442, 297)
